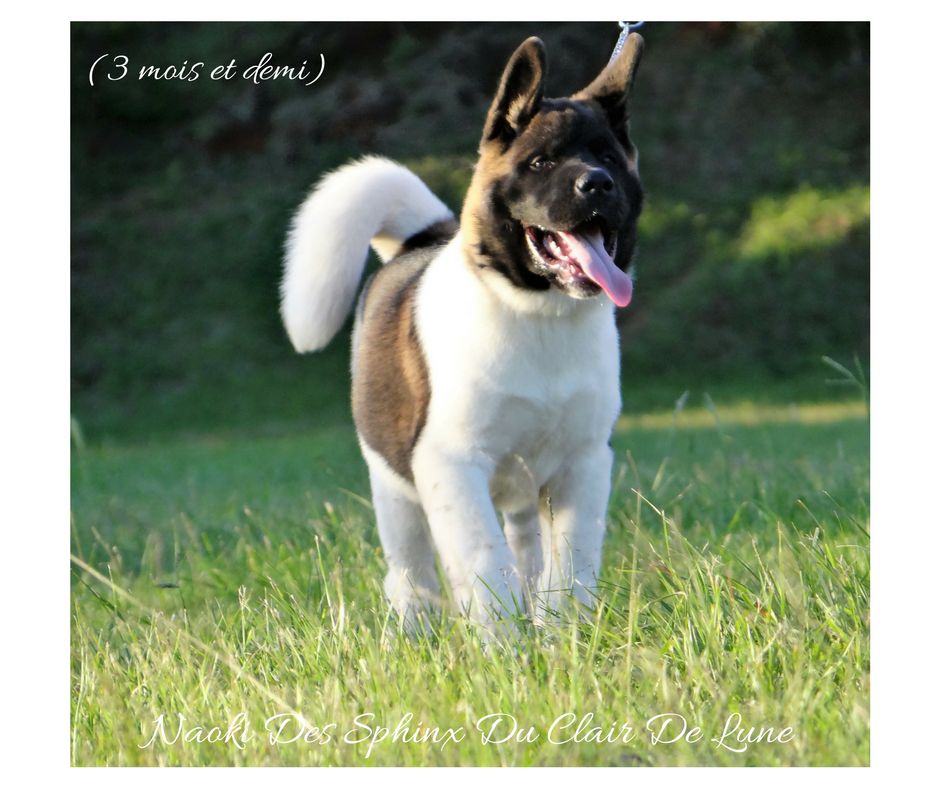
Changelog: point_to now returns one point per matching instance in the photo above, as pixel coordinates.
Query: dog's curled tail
(372, 200)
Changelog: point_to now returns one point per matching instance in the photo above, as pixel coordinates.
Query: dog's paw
(415, 605)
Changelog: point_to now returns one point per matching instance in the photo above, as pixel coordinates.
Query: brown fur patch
(390, 389)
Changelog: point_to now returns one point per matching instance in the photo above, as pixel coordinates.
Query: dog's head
(556, 194)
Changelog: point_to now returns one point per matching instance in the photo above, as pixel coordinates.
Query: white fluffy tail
(372, 200)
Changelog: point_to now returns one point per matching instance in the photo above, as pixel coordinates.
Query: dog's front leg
(477, 560)
(574, 513)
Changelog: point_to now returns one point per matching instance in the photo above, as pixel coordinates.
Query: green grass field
(237, 572)
(224, 555)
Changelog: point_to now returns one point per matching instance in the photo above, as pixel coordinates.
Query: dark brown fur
(390, 390)
(588, 131)
(437, 233)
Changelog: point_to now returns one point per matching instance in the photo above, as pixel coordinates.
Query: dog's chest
(519, 392)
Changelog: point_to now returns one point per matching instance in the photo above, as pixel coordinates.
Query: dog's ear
(520, 93)
(611, 88)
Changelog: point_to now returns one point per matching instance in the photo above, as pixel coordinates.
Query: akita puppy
(485, 360)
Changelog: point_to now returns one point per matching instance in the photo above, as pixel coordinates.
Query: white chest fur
(519, 382)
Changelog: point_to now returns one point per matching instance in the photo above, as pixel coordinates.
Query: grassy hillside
(225, 558)
(243, 574)
(753, 256)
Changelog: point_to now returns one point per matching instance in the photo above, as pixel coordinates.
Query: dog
(485, 357)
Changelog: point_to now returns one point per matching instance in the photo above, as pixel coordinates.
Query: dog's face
(556, 194)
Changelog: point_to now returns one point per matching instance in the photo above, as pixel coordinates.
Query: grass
(231, 573)
(754, 144)
(225, 558)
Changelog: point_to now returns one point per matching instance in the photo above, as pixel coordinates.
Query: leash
(625, 29)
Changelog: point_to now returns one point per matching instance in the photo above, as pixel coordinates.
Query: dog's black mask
(557, 192)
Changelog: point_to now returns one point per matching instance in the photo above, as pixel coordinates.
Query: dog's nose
(594, 180)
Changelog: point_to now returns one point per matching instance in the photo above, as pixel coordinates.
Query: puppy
(485, 359)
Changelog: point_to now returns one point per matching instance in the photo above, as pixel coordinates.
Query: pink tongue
(588, 252)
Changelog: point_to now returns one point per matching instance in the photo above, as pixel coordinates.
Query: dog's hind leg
(574, 509)
(524, 535)
(411, 584)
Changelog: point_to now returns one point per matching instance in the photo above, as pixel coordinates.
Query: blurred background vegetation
(754, 253)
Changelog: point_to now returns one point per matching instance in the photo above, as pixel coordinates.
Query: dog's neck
(550, 303)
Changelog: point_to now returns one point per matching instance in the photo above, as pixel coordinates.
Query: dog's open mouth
(585, 253)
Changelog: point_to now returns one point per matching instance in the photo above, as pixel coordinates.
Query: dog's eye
(540, 163)
(609, 159)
